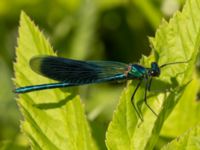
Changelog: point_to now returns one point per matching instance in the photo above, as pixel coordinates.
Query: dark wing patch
(75, 71)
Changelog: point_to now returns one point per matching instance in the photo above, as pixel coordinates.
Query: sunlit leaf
(53, 119)
(188, 141)
(175, 41)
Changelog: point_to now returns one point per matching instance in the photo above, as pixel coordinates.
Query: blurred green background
(81, 29)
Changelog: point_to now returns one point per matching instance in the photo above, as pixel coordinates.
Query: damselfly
(75, 72)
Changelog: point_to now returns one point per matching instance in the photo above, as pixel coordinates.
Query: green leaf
(53, 119)
(187, 110)
(122, 127)
(188, 141)
(7, 145)
(178, 40)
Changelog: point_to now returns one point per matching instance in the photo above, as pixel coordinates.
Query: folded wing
(78, 72)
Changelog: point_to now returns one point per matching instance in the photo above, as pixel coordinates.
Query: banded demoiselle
(75, 72)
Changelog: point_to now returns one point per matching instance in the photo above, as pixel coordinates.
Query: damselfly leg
(138, 112)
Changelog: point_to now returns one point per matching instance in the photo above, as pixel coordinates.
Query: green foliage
(55, 119)
(8, 110)
(188, 141)
(8, 145)
(175, 41)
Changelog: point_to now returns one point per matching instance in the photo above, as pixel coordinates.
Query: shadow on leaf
(55, 104)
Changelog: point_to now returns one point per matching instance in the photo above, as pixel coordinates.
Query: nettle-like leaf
(52, 119)
(178, 40)
(188, 141)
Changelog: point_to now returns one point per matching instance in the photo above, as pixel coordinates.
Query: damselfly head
(154, 70)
